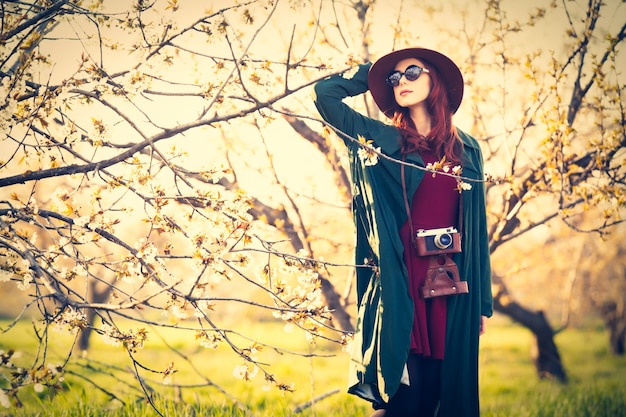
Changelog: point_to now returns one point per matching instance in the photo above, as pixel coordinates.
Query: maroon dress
(435, 205)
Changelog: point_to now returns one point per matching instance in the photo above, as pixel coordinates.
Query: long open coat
(385, 308)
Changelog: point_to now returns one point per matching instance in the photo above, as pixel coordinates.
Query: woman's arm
(329, 95)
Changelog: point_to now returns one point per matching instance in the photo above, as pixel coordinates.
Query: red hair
(442, 139)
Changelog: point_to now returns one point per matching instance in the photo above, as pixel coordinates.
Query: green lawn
(509, 385)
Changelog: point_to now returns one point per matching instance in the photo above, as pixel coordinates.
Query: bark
(99, 294)
(546, 358)
(618, 338)
(616, 325)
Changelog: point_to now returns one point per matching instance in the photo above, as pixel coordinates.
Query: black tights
(421, 398)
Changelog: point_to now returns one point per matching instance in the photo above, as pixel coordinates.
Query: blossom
(367, 152)
(448, 169)
(209, 341)
(310, 337)
(54, 368)
(202, 307)
(137, 81)
(347, 342)
(179, 311)
(244, 372)
(71, 321)
(462, 186)
(79, 270)
(111, 335)
(82, 221)
(5, 275)
(24, 285)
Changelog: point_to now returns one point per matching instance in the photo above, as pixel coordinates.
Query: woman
(413, 356)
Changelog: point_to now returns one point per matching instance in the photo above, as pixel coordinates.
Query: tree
(115, 222)
(604, 284)
(132, 131)
(574, 116)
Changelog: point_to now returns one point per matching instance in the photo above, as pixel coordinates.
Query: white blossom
(82, 221)
(179, 312)
(53, 368)
(244, 372)
(110, 335)
(347, 342)
(71, 321)
(80, 270)
(5, 275)
(369, 156)
(24, 284)
(210, 341)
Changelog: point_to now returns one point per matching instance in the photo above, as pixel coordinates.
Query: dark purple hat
(383, 93)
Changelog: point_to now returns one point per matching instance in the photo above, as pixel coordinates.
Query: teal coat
(385, 308)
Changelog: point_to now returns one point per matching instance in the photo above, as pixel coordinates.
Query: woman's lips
(405, 92)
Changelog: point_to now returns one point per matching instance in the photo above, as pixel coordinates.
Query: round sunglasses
(411, 73)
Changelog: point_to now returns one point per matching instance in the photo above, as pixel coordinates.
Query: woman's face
(411, 93)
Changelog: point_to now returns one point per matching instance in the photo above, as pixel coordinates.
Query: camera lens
(443, 240)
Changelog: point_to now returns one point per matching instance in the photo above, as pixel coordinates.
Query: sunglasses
(412, 73)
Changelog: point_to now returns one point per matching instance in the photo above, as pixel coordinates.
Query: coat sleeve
(329, 95)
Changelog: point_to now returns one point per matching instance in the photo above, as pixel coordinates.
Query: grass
(509, 385)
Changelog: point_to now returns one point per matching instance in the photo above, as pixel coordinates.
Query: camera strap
(408, 207)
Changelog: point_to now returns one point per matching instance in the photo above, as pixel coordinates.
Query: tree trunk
(546, 356)
(616, 325)
(98, 295)
(618, 339)
(333, 299)
(340, 315)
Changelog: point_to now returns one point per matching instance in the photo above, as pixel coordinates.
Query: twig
(317, 399)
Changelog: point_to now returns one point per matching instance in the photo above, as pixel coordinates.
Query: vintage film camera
(437, 241)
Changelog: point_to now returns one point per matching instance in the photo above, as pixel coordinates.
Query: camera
(437, 241)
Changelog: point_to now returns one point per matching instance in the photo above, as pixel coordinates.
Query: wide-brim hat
(383, 93)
